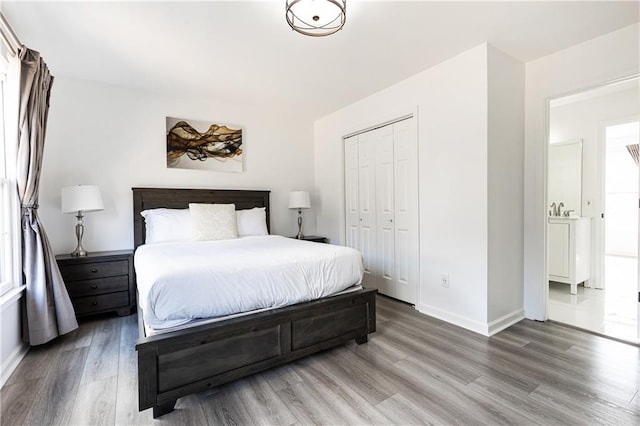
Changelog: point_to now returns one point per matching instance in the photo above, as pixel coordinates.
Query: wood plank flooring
(414, 370)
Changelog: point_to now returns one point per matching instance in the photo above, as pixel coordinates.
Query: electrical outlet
(444, 280)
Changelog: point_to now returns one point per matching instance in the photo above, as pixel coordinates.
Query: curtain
(634, 151)
(48, 307)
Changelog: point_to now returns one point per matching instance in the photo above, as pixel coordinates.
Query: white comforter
(181, 282)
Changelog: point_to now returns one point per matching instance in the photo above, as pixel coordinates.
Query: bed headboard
(171, 198)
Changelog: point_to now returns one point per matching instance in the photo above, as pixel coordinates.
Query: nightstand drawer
(104, 302)
(98, 286)
(90, 270)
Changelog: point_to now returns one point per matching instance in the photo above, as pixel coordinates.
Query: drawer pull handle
(94, 270)
(94, 286)
(94, 303)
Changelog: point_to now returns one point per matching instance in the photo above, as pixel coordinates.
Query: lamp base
(300, 235)
(79, 251)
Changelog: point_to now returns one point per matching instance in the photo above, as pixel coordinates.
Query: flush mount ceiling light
(316, 18)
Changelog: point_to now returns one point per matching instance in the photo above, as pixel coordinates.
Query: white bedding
(185, 281)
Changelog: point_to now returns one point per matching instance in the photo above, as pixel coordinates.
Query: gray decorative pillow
(213, 222)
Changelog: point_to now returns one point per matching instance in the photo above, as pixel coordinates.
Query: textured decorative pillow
(252, 222)
(213, 222)
(166, 225)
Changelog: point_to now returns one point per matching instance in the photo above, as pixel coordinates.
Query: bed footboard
(180, 363)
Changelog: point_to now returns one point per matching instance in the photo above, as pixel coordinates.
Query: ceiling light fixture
(316, 18)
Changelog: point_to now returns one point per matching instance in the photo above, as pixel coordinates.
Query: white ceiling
(244, 52)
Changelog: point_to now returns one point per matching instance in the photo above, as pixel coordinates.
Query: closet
(381, 202)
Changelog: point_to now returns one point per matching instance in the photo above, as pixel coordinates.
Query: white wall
(594, 62)
(584, 120)
(12, 348)
(506, 186)
(453, 189)
(450, 101)
(116, 138)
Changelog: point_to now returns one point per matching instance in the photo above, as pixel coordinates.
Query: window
(5, 213)
(5, 240)
(10, 271)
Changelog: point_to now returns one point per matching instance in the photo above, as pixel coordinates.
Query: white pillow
(252, 222)
(213, 222)
(165, 225)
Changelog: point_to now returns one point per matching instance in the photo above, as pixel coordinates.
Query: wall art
(202, 145)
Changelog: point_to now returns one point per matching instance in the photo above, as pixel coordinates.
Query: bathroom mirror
(565, 175)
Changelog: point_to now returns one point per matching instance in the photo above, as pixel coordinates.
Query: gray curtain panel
(48, 307)
(634, 150)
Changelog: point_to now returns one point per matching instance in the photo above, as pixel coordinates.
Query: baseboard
(486, 329)
(455, 319)
(12, 362)
(505, 321)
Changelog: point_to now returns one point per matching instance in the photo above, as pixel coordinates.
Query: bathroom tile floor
(612, 311)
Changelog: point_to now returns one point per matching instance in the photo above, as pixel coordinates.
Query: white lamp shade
(299, 200)
(84, 198)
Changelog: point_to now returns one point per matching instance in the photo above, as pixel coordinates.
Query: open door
(634, 150)
(621, 224)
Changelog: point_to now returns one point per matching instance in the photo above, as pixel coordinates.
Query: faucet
(554, 210)
(560, 206)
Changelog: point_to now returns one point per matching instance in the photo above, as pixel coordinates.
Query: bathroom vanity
(570, 250)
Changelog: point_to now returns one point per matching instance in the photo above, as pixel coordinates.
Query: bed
(177, 363)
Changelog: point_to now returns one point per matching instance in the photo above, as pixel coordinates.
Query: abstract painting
(202, 145)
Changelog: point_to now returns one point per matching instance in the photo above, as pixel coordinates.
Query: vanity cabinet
(570, 250)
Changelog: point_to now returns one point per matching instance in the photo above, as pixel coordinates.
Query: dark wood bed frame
(175, 364)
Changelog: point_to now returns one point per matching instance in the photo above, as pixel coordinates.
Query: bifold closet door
(405, 168)
(385, 211)
(381, 202)
(351, 188)
(359, 200)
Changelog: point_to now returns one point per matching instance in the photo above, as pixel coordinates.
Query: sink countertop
(567, 217)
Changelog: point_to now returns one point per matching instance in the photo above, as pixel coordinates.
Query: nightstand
(314, 238)
(100, 282)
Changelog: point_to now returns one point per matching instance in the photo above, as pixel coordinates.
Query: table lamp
(81, 199)
(299, 200)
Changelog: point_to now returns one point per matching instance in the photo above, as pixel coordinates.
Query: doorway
(598, 249)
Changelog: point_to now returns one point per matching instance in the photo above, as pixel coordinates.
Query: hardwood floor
(414, 370)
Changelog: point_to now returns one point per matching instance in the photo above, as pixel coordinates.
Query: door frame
(544, 283)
